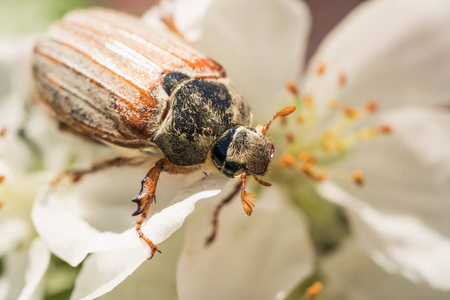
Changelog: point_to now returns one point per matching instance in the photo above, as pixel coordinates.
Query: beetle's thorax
(201, 110)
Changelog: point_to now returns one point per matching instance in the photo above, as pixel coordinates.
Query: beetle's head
(242, 149)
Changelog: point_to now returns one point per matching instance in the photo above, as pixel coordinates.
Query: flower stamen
(321, 68)
(342, 79)
(358, 178)
(385, 129)
(286, 160)
(314, 290)
(292, 87)
(3, 131)
(315, 146)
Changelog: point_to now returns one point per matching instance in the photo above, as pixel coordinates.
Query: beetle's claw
(152, 252)
(139, 207)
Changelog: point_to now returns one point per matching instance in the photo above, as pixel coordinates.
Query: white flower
(392, 52)
(93, 217)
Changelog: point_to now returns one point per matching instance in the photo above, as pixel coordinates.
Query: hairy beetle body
(101, 72)
(106, 75)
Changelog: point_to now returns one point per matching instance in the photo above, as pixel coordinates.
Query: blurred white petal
(399, 243)
(99, 275)
(155, 278)
(394, 52)
(350, 274)
(407, 172)
(12, 279)
(261, 44)
(401, 213)
(261, 257)
(12, 232)
(38, 261)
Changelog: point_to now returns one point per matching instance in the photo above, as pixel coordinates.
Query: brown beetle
(106, 75)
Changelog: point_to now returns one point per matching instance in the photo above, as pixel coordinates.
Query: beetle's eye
(219, 155)
(220, 148)
(172, 80)
(230, 168)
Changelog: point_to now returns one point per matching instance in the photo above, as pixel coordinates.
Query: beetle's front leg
(147, 196)
(246, 198)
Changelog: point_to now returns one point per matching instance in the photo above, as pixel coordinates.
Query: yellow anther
(322, 176)
(308, 100)
(292, 87)
(306, 157)
(287, 160)
(308, 169)
(342, 79)
(371, 106)
(321, 68)
(341, 145)
(328, 145)
(301, 118)
(367, 133)
(332, 103)
(358, 178)
(2, 178)
(350, 112)
(329, 134)
(314, 290)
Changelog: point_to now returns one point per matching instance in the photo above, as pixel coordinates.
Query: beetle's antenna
(282, 113)
(264, 183)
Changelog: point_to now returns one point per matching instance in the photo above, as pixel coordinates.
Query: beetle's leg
(282, 113)
(215, 221)
(77, 175)
(264, 183)
(246, 198)
(146, 195)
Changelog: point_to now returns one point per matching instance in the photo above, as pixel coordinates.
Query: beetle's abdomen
(201, 111)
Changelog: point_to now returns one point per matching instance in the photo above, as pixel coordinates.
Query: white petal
(401, 213)
(155, 278)
(12, 279)
(351, 274)
(395, 53)
(261, 257)
(99, 275)
(12, 233)
(261, 43)
(38, 261)
(72, 238)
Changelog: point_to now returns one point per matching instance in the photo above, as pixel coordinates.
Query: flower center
(315, 143)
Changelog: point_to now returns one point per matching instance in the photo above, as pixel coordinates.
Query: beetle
(107, 76)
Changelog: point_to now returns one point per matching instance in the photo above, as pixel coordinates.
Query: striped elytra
(101, 72)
